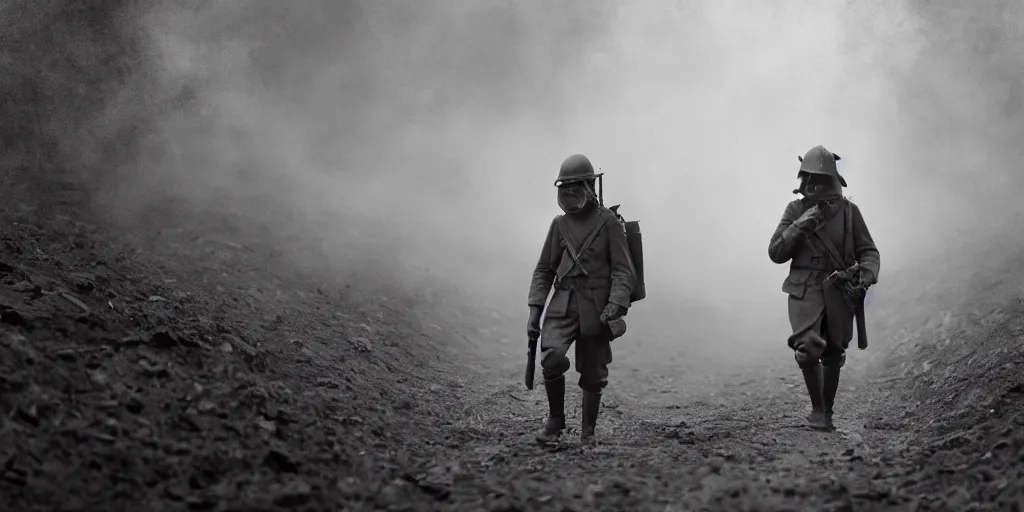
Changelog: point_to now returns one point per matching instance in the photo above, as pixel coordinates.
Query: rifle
(531, 362)
(857, 293)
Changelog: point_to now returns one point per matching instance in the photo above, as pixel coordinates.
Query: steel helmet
(576, 168)
(820, 161)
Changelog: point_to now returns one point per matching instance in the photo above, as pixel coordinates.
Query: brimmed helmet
(576, 168)
(820, 161)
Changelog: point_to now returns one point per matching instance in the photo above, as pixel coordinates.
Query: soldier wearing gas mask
(819, 234)
(586, 260)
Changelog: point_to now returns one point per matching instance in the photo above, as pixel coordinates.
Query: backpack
(634, 241)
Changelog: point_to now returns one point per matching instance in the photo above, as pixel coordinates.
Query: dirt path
(742, 446)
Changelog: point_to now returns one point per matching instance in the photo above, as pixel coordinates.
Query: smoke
(952, 141)
(414, 129)
(411, 138)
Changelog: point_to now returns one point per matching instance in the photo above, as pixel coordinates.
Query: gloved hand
(810, 219)
(533, 324)
(617, 327)
(866, 278)
(612, 312)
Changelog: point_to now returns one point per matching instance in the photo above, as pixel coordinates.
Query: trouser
(817, 345)
(593, 355)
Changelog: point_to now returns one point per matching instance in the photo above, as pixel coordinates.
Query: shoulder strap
(838, 259)
(574, 253)
(593, 235)
(848, 238)
(567, 236)
(830, 251)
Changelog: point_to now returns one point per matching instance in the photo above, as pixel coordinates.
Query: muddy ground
(177, 368)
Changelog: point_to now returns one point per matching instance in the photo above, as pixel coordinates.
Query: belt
(590, 282)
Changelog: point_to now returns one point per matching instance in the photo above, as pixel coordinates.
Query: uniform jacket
(607, 262)
(810, 264)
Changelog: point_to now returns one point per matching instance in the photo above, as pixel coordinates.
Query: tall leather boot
(813, 378)
(591, 408)
(548, 436)
(831, 386)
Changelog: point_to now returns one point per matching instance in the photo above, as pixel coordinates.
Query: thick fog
(415, 135)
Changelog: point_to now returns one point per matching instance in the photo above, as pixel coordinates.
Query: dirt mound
(953, 391)
(174, 370)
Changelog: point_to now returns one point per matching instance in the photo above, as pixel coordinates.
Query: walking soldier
(833, 262)
(586, 259)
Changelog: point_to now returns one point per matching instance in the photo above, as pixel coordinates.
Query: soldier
(586, 259)
(821, 233)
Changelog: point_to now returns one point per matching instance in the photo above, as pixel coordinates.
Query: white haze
(447, 120)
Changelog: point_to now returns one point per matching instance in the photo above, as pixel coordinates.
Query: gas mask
(819, 187)
(574, 197)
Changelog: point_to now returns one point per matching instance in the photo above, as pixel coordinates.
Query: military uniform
(821, 233)
(586, 260)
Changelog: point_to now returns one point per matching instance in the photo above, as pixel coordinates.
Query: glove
(617, 327)
(808, 222)
(866, 278)
(533, 324)
(612, 312)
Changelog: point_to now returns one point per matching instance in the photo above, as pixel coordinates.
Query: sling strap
(838, 258)
(573, 252)
(848, 244)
